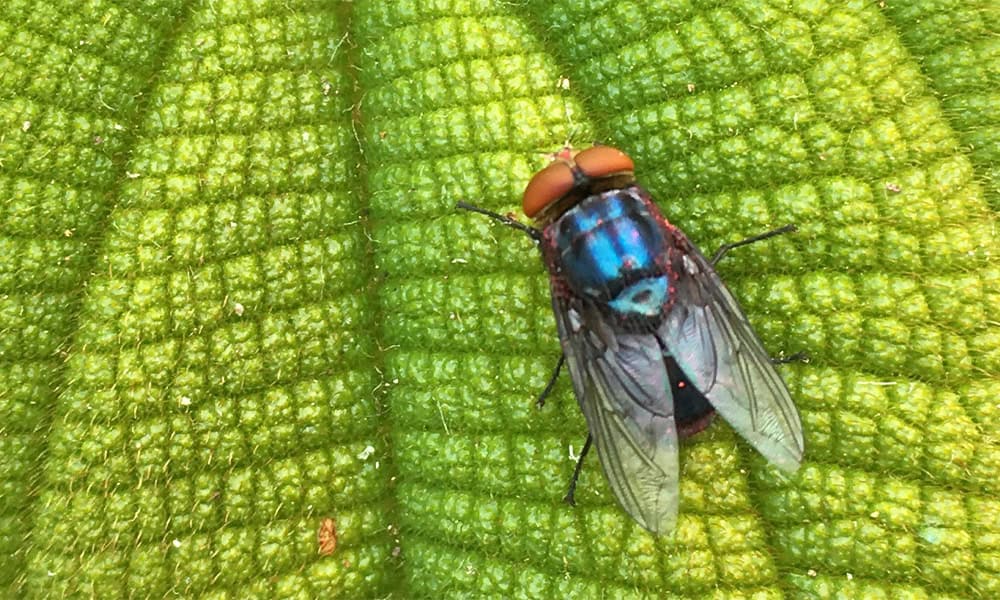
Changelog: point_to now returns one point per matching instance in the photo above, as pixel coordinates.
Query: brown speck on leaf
(382, 134)
(347, 564)
(893, 187)
(327, 537)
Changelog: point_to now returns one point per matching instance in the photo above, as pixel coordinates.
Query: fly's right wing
(714, 344)
(623, 388)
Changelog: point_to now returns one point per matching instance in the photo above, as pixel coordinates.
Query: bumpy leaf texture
(236, 301)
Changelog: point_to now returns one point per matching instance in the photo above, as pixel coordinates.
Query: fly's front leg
(569, 499)
(535, 234)
(552, 382)
(768, 234)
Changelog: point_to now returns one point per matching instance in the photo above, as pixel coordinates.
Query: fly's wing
(622, 386)
(709, 336)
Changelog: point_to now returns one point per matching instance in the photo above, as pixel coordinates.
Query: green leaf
(236, 299)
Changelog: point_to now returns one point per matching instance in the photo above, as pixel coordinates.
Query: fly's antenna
(535, 234)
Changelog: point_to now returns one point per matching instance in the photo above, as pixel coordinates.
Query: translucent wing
(622, 386)
(709, 336)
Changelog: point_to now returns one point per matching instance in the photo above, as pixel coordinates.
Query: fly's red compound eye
(556, 180)
(601, 161)
(547, 186)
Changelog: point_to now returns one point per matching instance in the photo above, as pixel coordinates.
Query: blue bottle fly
(654, 342)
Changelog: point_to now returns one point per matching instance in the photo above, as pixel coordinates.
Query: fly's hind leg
(750, 240)
(569, 499)
(797, 357)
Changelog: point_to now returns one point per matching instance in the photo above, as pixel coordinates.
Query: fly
(655, 343)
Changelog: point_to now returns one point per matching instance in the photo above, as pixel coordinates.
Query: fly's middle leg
(723, 249)
(552, 382)
(750, 240)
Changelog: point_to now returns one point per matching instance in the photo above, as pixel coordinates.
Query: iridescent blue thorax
(611, 249)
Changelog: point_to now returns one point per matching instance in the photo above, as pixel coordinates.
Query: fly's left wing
(710, 338)
(623, 388)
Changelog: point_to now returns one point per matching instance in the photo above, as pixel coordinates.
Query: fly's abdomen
(613, 251)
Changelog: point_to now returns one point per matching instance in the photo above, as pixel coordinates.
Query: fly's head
(573, 176)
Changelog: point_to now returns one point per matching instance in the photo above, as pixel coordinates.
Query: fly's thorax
(583, 188)
(611, 249)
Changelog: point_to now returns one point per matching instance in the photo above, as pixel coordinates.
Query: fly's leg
(768, 234)
(533, 233)
(551, 384)
(568, 499)
(797, 357)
